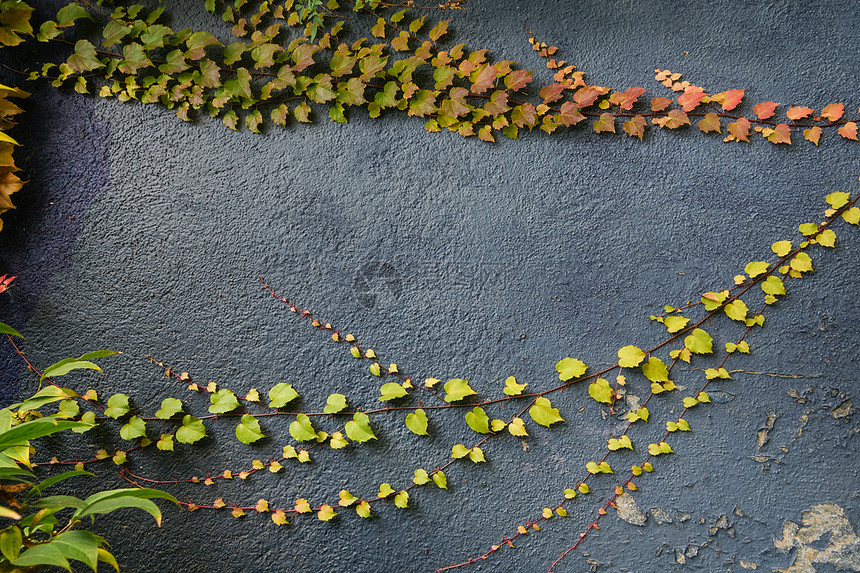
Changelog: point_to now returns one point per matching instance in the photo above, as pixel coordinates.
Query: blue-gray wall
(140, 233)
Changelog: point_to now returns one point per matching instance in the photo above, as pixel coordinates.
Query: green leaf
(358, 429)
(335, 403)
(113, 32)
(401, 500)
(601, 391)
(385, 490)
(84, 59)
(699, 342)
(736, 310)
(417, 422)
(169, 408)
(46, 395)
(363, 509)
(773, 285)
(302, 430)
(756, 268)
(655, 370)
(801, 262)
(781, 248)
(392, 390)
(109, 501)
(459, 451)
(457, 389)
(223, 401)
(570, 368)
(248, 431)
(192, 430)
(808, 229)
(543, 413)
(675, 323)
(478, 420)
(440, 480)
(512, 388)
(281, 394)
(117, 406)
(11, 542)
(67, 365)
(838, 199)
(421, 477)
(44, 554)
(5, 328)
(198, 41)
(69, 13)
(134, 428)
(476, 454)
(630, 356)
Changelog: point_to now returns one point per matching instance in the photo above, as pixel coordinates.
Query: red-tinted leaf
(569, 114)
(739, 129)
(483, 79)
(798, 112)
(518, 79)
(486, 134)
(812, 134)
(849, 130)
(660, 103)
(303, 56)
(833, 111)
(711, 122)
(439, 30)
(401, 42)
(627, 98)
(524, 115)
(422, 103)
(635, 126)
(551, 93)
(729, 99)
(780, 134)
(606, 123)
(765, 110)
(498, 103)
(676, 118)
(587, 95)
(691, 98)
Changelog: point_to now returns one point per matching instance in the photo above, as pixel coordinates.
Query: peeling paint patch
(748, 564)
(765, 430)
(842, 409)
(629, 510)
(660, 515)
(842, 550)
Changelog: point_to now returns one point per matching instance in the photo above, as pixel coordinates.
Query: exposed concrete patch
(842, 409)
(765, 430)
(842, 551)
(629, 510)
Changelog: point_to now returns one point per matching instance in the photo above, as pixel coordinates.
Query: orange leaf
(551, 93)
(849, 130)
(731, 99)
(569, 114)
(765, 110)
(812, 134)
(781, 134)
(798, 112)
(833, 111)
(739, 129)
(484, 79)
(587, 95)
(606, 123)
(660, 103)
(627, 98)
(635, 127)
(676, 118)
(691, 98)
(711, 122)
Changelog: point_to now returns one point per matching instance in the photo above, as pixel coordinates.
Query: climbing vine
(285, 63)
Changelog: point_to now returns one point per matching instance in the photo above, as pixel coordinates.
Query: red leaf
(569, 114)
(606, 123)
(765, 110)
(798, 112)
(518, 79)
(780, 134)
(812, 134)
(587, 95)
(551, 93)
(739, 129)
(635, 127)
(484, 79)
(849, 130)
(498, 103)
(676, 118)
(660, 103)
(627, 98)
(691, 98)
(730, 100)
(833, 111)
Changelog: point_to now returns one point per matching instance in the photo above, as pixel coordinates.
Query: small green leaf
(65, 366)
(335, 403)
(392, 390)
(773, 285)
(440, 480)
(630, 356)
(117, 406)
(543, 413)
(655, 370)
(5, 328)
(459, 451)
(837, 199)
(169, 408)
(512, 388)
(401, 500)
(699, 342)
(675, 323)
(476, 454)
(781, 248)
(689, 402)
(248, 430)
(363, 509)
(165, 443)
(736, 310)
(191, 431)
(457, 389)
(570, 368)
(756, 268)
(808, 229)
(601, 391)
(421, 477)
(302, 430)
(478, 420)
(134, 428)
(417, 422)
(358, 429)
(281, 394)
(223, 401)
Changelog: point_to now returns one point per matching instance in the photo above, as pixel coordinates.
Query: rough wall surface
(455, 258)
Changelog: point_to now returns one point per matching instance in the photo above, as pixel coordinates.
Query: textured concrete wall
(455, 258)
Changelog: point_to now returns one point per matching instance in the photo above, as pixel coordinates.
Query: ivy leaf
(618, 443)
(165, 443)
(346, 498)
(737, 310)
(253, 121)
(335, 403)
(401, 500)
(838, 199)
(248, 430)
(440, 480)
(117, 406)
(169, 408)
(605, 123)
(421, 477)
(543, 413)
(781, 133)
(517, 427)
(848, 131)
(135, 428)
(801, 262)
(385, 490)
(223, 401)
(773, 286)
(68, 14)
(675, 323)
(699, 342)
(302, 430)
(711, 122)
(358, 429)
(478, 420)
(627, 98)
(827, 238)
(551, 93)
(756, 268)
(812, 134)
(655, 370)
(438, 30)
(512, 388)
(660, 103)
(363, 509)
(417, 422)
(798, 112)
(739, 129)
(691, 98)
(640, 414)
(635, 126)
(192, 430)
(326, 513)
(601, 391)
(459, 451)
(833, 111)
(392, 390)
(765, 110)
(630, 356)
(570, 368)
(457, 389)
(476, 454)
(281, 394)
(518, 79)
